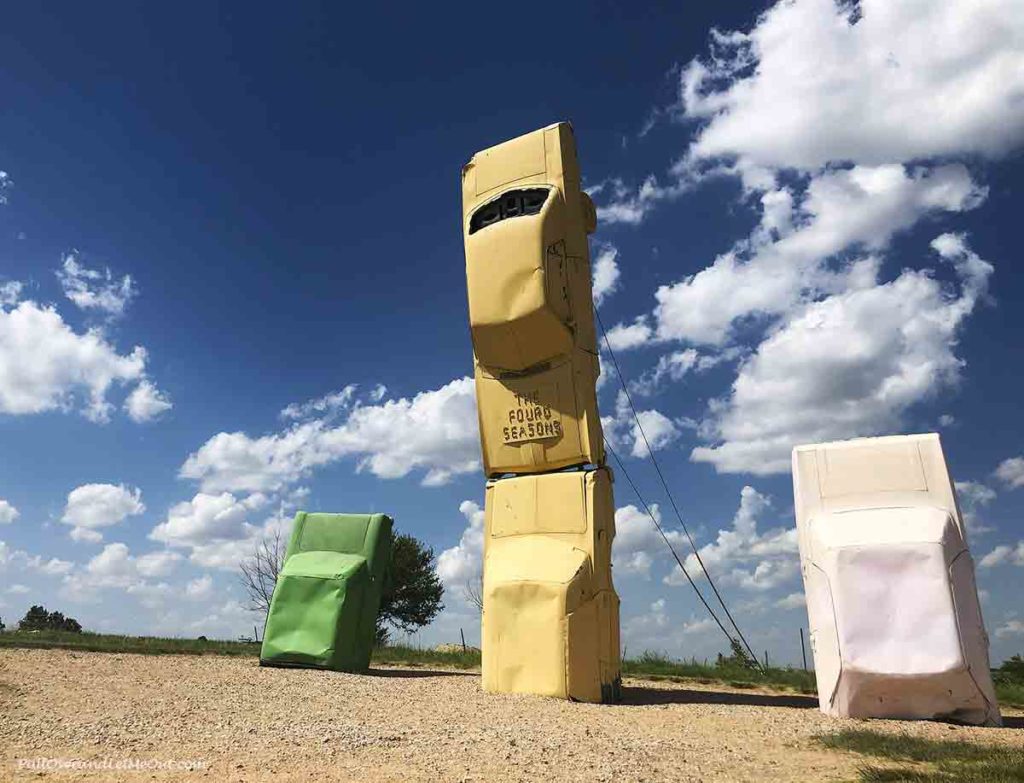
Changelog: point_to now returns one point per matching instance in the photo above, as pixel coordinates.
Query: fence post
(463, 640)
(803, 650)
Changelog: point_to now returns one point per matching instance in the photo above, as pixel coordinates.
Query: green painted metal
(324, 610)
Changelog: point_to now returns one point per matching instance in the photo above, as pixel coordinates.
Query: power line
(668, 543)
(668, 492)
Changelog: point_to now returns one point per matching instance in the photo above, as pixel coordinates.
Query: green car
(324, 610)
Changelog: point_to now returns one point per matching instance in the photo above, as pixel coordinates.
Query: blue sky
(232, 283)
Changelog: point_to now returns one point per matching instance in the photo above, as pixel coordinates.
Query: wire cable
(668, 492)
(668, 543)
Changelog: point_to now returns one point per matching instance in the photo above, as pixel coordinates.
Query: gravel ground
(247, 723)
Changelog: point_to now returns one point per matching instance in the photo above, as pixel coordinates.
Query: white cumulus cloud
(632, 206)
(623, 337)
(90, 507)
(8, 513)
(648, 428)
(1010, 628)
(462, 564)
(434, 431)
(638, 544)
(846, 366)
(68, 369)
(656, 629)
(10, 293)
(817, 81)
(85, 535)
(200, 589)
(91, 289)
(1004, 555)
(146, 402)
(215, 531)
(606, 274)
(792, 601)
(332, 401)
(203, 519)
(742, 555)
(973, 497)
(1011, 472)
(771, 272)
(116, 567)
(672, 366)
(158, 563)
(20, 559)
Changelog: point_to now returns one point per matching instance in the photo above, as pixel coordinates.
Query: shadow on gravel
(412, 673)
(637, 697)
(1013, 722)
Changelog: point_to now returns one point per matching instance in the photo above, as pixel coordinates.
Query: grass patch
(152, 645)
(655, 665)
(926, 760)
(416, 656)
(1008, 679)
(1009, 684)
(113, 643)
(1010, 694)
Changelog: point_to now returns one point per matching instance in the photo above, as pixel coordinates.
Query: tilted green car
(324, 610)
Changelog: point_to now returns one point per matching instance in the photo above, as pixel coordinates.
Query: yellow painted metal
(551, 615)
(540, 421)
(528, 275)
(550, 622)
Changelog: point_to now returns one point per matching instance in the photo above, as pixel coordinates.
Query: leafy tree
(1013, 668)
(739, 659)
(38, 619)
(413, 591)
(35, 619)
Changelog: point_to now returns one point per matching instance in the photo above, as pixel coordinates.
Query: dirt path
(251, 724)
